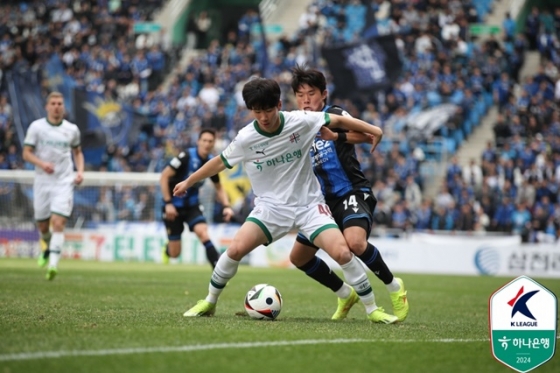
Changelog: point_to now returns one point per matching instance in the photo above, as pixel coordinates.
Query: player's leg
(264, 225)
(356, 223)
(57, 242)
(174, 228)
(249, 236)
(303, 257)
(42, 214)
(197, 224)
(44, 241)
(319, 226)
(356, 237)
(61, 206)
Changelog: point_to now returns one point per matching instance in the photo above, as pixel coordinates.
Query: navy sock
(211, 253)
(318, 270)
(373, 260)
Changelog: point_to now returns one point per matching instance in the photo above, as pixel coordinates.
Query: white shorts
(52, 198)
(277, 221)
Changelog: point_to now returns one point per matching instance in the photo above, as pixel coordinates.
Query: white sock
(393, 286)
(57, 241)
(225, 269)
(357, 278)
(344, 292)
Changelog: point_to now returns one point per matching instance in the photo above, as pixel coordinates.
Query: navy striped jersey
(336, 166)
(184, 165)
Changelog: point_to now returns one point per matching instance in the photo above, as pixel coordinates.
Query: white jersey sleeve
(76, 141)
(234, 153)
(315, 119)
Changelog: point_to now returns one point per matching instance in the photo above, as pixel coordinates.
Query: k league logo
(523, 323)
(519, 305)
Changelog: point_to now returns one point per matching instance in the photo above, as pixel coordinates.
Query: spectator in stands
(532, 27)
(502, 132)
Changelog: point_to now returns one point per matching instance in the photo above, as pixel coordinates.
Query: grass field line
(215, 346)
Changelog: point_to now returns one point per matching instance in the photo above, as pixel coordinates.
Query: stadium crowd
(511, 188)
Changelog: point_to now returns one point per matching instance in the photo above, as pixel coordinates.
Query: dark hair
(261, 94)
(312, 77)
(206, 130)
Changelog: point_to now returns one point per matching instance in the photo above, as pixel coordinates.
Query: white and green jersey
(53, 144)
(278, 164)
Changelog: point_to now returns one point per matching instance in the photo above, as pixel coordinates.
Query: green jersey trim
(323, 228)
(225, 162)
(270, 134)
(262, 226)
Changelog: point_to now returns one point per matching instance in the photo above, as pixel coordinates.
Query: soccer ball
(263, 302)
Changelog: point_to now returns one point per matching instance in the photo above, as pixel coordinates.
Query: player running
(49, 144)
(186, 209)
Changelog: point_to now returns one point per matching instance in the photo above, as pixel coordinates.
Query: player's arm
(356, 125)
(224, 201)
(79, 162)
(167, 173)
(348, 137)
(29, 156)
(210, 168)
(170, 210)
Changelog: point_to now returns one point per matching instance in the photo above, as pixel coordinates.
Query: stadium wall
(418, 253)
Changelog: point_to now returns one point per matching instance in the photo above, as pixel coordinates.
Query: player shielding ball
(274, 150)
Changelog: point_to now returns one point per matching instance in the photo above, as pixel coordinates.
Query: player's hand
(327, 135)
(79, 178)
(373, 142)
(227, 213)
(170, 212)
(180, 189)
(47, 167)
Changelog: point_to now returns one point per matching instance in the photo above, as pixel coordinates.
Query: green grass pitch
(127, 317)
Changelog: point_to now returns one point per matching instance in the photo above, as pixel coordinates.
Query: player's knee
(356, 245)
(342, 255)
(235, 252)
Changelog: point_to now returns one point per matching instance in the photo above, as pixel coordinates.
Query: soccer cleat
(379, 316)
(164, 256)
(51, 273)
(202, 308)
(400, 302)
(42, 261)
(344, 305)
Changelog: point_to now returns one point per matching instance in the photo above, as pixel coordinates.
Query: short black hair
(305, 75)
(261, 94)
(206, 130)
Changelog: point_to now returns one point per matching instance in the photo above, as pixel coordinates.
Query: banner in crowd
(364, 66)
(58, 80)
(423, 124)
(103, 121)
(420, 253)
(24, 93)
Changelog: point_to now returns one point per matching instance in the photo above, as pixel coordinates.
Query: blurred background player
(347, 193)
(49, 144)
(186, 209)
